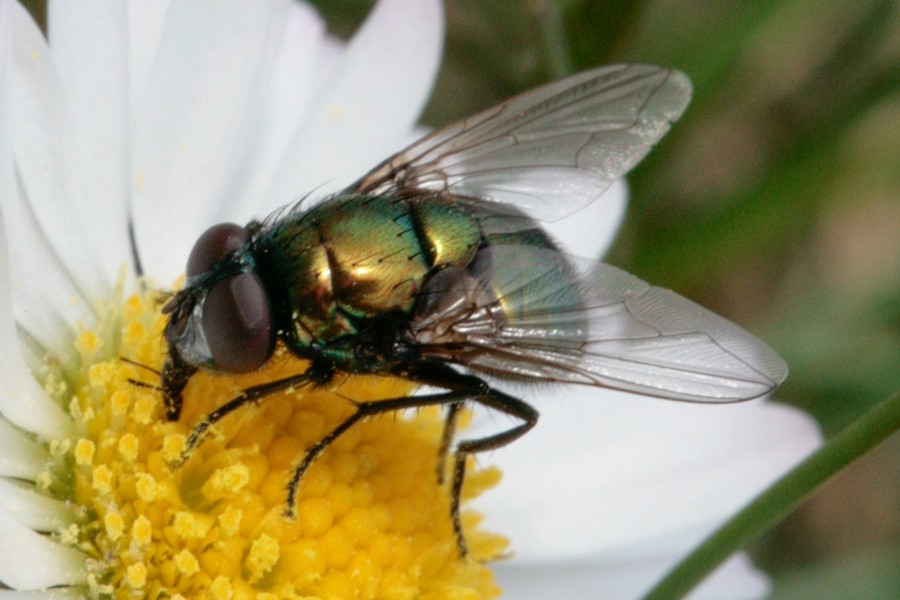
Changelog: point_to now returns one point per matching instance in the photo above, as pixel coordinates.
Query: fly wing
(542, 315)
(549, 151)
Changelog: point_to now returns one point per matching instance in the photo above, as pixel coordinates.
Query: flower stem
(781, 498)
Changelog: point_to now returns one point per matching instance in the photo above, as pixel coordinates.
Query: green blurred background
(775, 201)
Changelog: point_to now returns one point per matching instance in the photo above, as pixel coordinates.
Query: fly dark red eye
(213, 245)
(237, 324)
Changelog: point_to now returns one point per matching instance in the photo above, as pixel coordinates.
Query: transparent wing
(549, 151)
(535, 313)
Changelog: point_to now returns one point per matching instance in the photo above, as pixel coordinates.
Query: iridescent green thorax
(359, 257)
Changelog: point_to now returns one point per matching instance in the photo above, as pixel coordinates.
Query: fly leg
(363, 411)
(497, 400)
(248, 396)
(471, 388)
(176, 373)
(138, 382)
(135, 363)
(447, 439)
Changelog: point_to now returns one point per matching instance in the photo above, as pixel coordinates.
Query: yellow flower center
(372, 520)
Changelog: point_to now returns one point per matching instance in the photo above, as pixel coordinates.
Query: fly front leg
(174, 377)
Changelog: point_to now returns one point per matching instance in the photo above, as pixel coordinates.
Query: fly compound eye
(214, 245)
(237, 324)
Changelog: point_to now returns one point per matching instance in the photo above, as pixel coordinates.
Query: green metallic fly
(433, 267)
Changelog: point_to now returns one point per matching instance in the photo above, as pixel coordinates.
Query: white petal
(736, 579)
(188, 135)
(47, 304)
(591, 231)
(623, 577)
(369, 104)
(30, 561)
(47, 169)
(54, 594)
(22, 401)
(302, 54)
(20, 457)
(45, 246)
(625, 469)
(89, 48)
(35, 511)
(146, 19)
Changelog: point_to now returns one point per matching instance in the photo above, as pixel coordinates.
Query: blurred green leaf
(706, 40)
(343, 16)
(866, 575)
(38, 10)
(597, 31)
(818, 334)
(494, 50)
(786, 197)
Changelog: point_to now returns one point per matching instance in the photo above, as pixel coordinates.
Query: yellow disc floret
(371, 520)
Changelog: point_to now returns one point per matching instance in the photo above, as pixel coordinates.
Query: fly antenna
(140, 365)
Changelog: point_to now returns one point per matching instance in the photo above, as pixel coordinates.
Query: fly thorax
(299, 271)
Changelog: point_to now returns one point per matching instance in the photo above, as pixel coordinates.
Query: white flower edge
(606, 475)
(28, 560)
(625, 577)
(591, 231)
(54, 594)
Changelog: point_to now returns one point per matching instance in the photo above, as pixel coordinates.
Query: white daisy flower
(169, 116)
